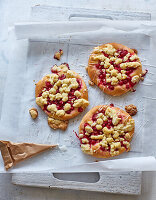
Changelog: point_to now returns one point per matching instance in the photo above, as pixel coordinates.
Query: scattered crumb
(96, 160)
(63, 148)
(135, 51)
(33, 80)
(91, 83)
(131, 109)
(87, 68)
(33, 113)
(57, 124)
(58, 54)
(144, 72)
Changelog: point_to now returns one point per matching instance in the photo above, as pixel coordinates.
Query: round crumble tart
(114, 68)
(63, 94)
(106, 131)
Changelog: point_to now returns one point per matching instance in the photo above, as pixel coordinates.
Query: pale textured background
(12, 192)
(19, 10)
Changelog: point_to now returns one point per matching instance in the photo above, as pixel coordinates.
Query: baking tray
(44, 40)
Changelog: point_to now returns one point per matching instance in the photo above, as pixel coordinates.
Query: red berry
(121, 83)
(129, 71)
(45, 107)
(94, 128)
(94, 117)
(127, 86)
(128, 78)
(96, 132)
(125, 81)
(105, 54)
(128, 60)
(61, 102)
(123, 53)
(71, 93)
(109, 121)
(117, 66)
(104, 82)
(68, 112)
(100, 132)
(48, 84)
(85, 124)
(80, 109)
(97, 65)
(102, 148)
(111, 62)
(80, 83)
(62, 77)
(111, 87)
(93, 142)
(53, 71)
(40, 94)
(59, 107)
(72, 108)
(101, 76)
(106, 122)
(108, 126)
(57, 91)
(133, 90)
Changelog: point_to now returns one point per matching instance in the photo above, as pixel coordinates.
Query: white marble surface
(19, 10)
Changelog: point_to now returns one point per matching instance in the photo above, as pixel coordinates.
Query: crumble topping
(61, 95)
(107, 132)
(116, 67)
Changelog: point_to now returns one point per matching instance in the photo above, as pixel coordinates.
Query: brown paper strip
(14, 153)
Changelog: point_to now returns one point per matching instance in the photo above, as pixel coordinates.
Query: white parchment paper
(77, 40)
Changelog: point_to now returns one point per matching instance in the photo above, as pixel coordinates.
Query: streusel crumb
(33, 113)
(131, 109)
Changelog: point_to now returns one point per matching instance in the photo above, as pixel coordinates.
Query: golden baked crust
(41, 85)
(96, 149)
(57, 124)
(94, 72)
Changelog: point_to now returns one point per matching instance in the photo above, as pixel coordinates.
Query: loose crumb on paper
(131, 109)
(33, 113)
(58, 54)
